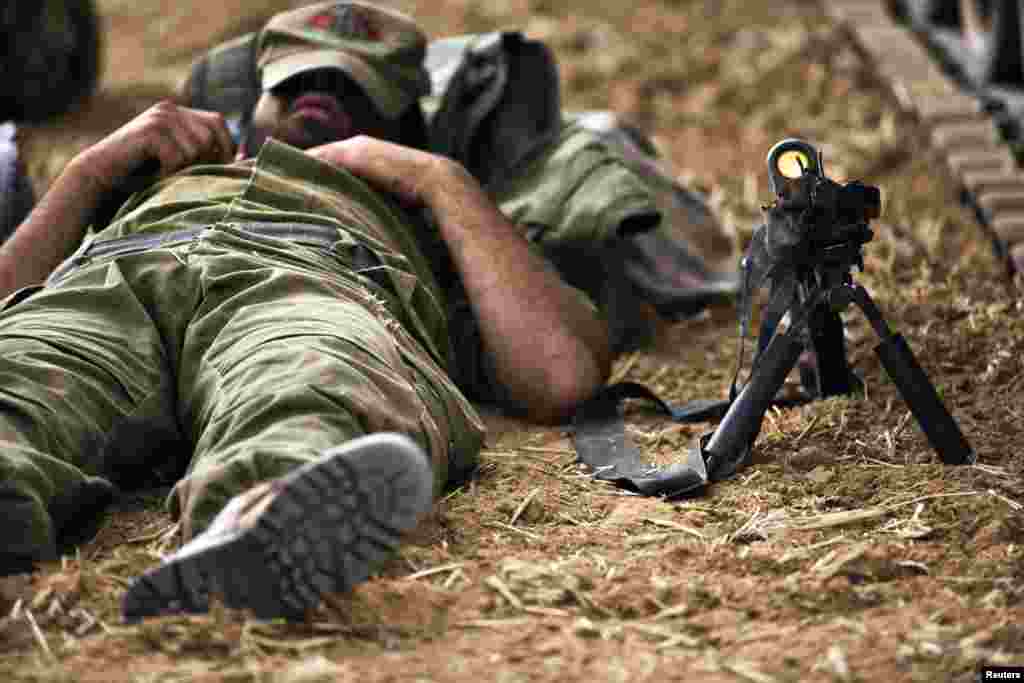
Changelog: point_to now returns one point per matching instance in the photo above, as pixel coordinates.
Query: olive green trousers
(234, 357)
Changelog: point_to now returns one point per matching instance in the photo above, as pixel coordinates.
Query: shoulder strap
(600, 439)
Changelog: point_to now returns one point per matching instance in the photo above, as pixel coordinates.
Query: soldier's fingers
(164, 135)
(187, 142)
(211, 129)
(199, 135)
(400, 170)
(167, 150)
(202, 140)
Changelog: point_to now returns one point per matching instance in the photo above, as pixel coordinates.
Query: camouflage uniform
(238, 342)
(234, 348)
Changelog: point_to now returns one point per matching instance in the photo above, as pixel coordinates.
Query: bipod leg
(730, 443)
(831, 374)
(914, 386)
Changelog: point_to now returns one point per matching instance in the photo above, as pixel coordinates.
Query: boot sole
(330, 523)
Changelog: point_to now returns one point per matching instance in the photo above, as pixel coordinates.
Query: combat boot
(279, 547)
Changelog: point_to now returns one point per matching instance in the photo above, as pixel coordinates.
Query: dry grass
(845, 552)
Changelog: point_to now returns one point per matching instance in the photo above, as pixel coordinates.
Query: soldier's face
(314, 108)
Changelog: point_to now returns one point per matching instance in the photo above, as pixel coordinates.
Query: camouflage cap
(380, 49)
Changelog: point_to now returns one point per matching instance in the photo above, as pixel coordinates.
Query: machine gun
(808, 247)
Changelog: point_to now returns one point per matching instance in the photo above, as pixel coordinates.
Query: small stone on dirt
(808, 458)
(821, 475)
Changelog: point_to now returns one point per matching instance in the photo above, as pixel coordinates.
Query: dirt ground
(845, 552)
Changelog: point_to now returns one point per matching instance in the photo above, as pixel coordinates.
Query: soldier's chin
(316, 132)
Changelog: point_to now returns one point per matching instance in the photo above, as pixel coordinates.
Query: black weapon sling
(598, 427)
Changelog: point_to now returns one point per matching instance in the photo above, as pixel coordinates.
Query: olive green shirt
(286, 186)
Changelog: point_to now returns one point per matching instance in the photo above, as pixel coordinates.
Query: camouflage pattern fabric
(379, 48)
(580, 203)
(230, 357)
(576, 191)
(603, 207)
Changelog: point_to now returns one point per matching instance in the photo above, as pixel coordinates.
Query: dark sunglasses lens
(317, 80)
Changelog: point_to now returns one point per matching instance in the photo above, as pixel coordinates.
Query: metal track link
(960, 128)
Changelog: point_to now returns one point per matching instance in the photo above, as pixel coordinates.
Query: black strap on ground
(773, 257)
(599, 435)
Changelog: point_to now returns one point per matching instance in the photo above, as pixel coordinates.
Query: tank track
(973, 121)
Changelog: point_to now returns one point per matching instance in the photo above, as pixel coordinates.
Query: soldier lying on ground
(288, 331)
(590, 191)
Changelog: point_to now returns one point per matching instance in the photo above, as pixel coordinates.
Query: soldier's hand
(411, 175)
(165, 138)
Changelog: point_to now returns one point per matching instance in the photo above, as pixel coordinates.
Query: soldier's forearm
(549, 345)
(51, 232)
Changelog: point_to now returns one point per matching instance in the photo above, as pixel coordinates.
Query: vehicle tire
(929, 13)
(49, 57)
(992, 36)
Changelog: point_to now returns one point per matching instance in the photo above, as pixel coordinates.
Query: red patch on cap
(345, 22)
(322, 22)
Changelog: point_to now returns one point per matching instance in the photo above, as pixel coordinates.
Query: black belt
(322, 236)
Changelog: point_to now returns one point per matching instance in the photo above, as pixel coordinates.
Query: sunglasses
(333, 81)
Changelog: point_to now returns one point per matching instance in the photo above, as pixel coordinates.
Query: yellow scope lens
(792, 163)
